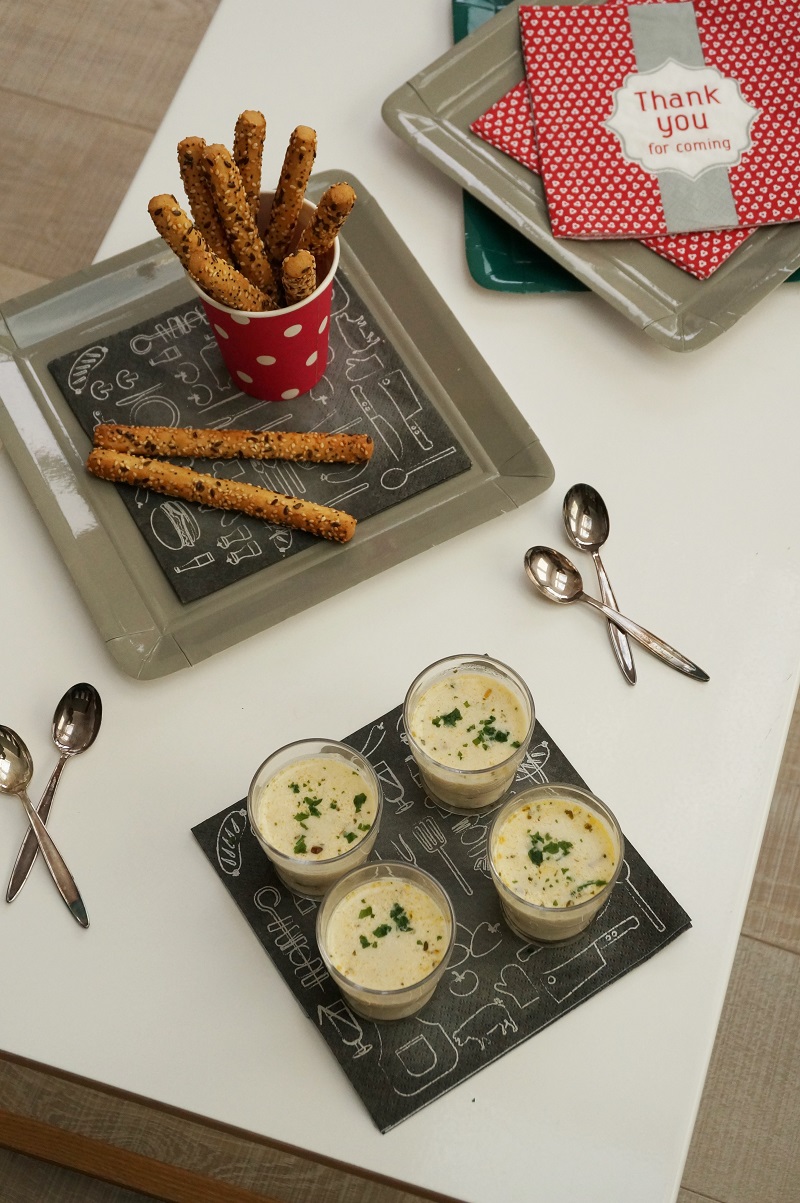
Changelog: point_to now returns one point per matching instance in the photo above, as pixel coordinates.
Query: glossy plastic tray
(148, 631)
(433, 112)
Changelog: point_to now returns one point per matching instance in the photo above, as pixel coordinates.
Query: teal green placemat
(498, 256)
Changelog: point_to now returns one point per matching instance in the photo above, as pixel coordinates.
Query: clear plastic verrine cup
(459, 788)
(306, 874)
(399, 1001)
(541, 921)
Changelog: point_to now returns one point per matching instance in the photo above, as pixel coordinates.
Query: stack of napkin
(675, 123)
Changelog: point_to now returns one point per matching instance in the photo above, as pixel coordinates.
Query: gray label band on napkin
(669, 31)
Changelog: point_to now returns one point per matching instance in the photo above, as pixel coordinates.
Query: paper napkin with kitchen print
(664, 119)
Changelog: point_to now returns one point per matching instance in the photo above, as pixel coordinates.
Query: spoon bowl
(553, 574)
(586, 518)
(16, 765)
(77, 719)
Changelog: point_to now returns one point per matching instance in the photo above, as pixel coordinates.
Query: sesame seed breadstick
(178, 231)
(309, 446)
(225, 284)
(332, 210)
(233, 207)
(248, 151)
(299, 276)
(222, 494)
(288, 200)
(201, 202)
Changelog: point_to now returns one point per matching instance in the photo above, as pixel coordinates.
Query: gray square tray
(433, 112)
(147, 630)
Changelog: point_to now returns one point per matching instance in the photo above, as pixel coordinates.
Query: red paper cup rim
(255, 314)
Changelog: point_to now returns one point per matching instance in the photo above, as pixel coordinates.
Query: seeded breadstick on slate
(201, 202)
(230, 198)
(222, 494)
(225, 284)
(299, 276)
(290, 192)
(178, 231)
(334, 206)
(248, 151)
(309, 446)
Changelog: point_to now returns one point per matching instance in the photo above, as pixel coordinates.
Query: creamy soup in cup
(315, 806)
(385, 932)
(469, 720)
(555, 853)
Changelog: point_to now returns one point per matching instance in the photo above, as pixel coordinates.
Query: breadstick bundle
(223, 189)
(279, 276)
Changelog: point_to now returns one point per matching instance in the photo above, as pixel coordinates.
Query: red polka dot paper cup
(282, 353)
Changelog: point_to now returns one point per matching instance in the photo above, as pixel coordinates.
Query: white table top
(168, 995)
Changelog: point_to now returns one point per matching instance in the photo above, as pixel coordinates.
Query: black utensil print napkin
(497, 991)
(168, 372)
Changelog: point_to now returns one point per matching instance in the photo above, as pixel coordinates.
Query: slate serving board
(497, 990)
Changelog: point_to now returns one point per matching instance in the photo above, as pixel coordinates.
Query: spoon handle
(55, 863)
(654, 645)
(619, 640)
(29, 848)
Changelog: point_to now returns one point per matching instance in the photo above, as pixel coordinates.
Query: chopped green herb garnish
(349, 836)
(301, 817)
(536, 856)
(367, 913)
(585, 885)
(364, 941)
(400, 917)
(313, 805)
(382, 930)
(300, 846)
(488, 733)
(294, 787)
(334, 806)
(449, 720)
(359, 801)
(364, 826)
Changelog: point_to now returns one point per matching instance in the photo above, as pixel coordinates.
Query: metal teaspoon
(16, 770)
(587, 523)
(558, 580)
(75, 725)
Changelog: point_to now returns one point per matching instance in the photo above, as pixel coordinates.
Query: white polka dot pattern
(576, 56)
(508, 125)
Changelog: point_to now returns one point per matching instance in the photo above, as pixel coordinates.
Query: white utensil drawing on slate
(420, 1062)
(290, 939)
(396, 478)
(229, 836)
(399, 391)
(650, 914)
(359, 367)
(200, 561)
(240, 535)
(403, 850)
(532, 767)
(515, 983)
(174, 525)
(432, 840)
(560, 981)
(247, 551)
(393, 790)
(381, 424)
(342, 1019)
(490, 1020)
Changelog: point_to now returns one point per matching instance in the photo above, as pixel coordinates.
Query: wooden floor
(83, 85)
